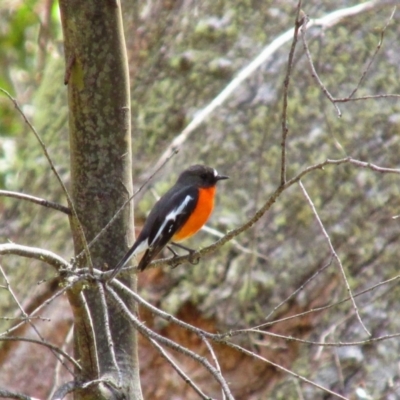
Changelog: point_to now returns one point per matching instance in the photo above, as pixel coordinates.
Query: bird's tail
(122, 263)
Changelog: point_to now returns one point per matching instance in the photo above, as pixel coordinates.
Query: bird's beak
(221, 177)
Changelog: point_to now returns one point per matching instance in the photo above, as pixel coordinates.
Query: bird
(177, 215)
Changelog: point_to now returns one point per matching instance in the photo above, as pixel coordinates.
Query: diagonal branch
(178, 369)
(283, 369)
(29, 321)
(173, 261)
(149, 334)
(285, 130)
(350, 97)
(266, 54)
(39, 308)
(14, 395)
(36, 253)
(68, 197)
(335, 255)
(107, 331)
(52, 347)
(36, 200)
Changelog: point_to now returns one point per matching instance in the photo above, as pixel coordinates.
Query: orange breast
(200, 215)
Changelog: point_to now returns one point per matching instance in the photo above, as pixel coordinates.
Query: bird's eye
(203, 176)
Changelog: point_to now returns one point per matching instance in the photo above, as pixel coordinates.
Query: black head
(200, 175)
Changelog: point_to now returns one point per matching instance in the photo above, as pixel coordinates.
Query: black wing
(166, 218)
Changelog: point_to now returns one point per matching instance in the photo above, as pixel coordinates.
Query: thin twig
(368, 97)
(14, 395)
(331, 329)
(349, 98)
(36, 253)
(23, 318)
(179, 370)
(214, 357)
(283, 369)
(318, 309)
(266, 54)
(365, 342)
(84, 328)
(36, 200)
(235, 243)
(335, 255)
(378, 47)
(160, 313)
(57, 371)
(29, 321)
(219, 337)
(45, 344)
(173, 261)
(69, 200)
(299, 289)
(39, 308)
(313, 71)
(148, 333)
(299, 21)
(106, 322)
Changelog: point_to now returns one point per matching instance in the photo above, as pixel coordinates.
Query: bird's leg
(173, 251)
(181, 246)
(175, 256)
(192, 260)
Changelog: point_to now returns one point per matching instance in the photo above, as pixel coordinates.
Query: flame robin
(177, 215)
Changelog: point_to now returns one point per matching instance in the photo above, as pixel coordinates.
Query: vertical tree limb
(99, 122)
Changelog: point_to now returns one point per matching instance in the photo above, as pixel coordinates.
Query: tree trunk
(99, 123)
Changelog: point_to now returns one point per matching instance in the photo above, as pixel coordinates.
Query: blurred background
(182, 54)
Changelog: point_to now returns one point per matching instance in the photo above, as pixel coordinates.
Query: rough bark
(99, 123)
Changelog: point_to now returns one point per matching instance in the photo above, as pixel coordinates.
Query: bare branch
(372, 167)
(173, 261)
(69, 200)
(179, 370)
(45, 344)
(149, 334)
(287, 371)
(70, 387)
(36, 200)
(36, 253)
(299, 289)
(335, 255)
(214, 357)
(29, 321)
(332, 99)
(299, 21)
(44, 304)
(14, 395)
(160, 313)
(313, 71)
(266, 54)
(378, 47)
(106, 322)
(84, 330)
(57, 370)
(336, 16)
(319, 309)
(365, 342)
(65, 389)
